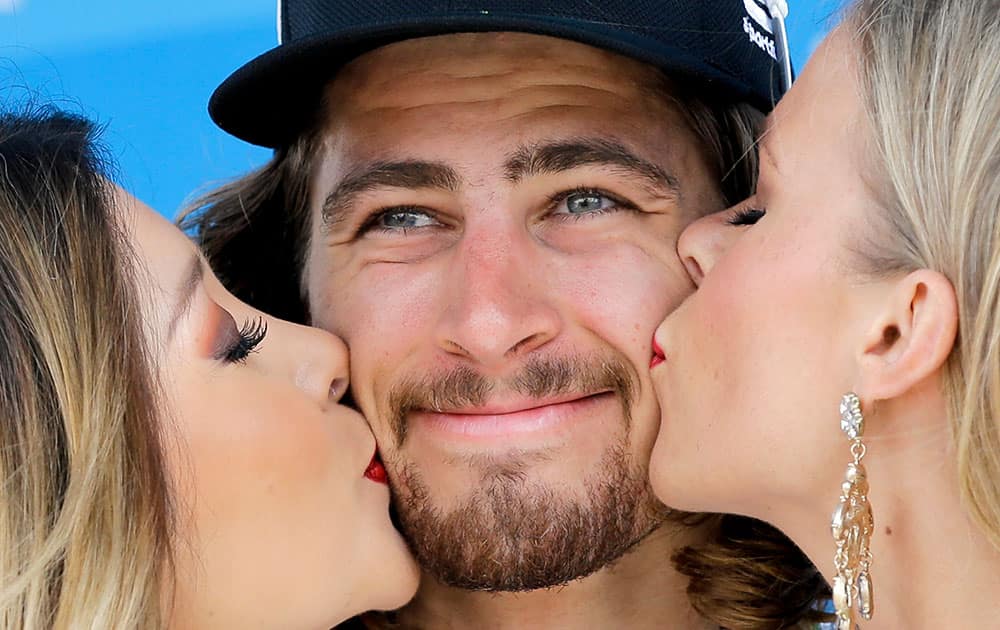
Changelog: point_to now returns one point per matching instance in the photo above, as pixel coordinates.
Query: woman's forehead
(163, 251)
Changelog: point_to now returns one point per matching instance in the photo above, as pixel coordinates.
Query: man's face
(493, 232)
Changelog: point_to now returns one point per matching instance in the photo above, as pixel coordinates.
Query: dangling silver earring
(852, 527)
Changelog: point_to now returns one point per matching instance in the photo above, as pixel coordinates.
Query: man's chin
(515, 533)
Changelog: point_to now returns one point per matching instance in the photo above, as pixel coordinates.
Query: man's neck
(640, 590)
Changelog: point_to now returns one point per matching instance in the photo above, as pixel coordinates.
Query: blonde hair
(930, 71)
(83, 510)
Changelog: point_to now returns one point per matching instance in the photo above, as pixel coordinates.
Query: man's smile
(511, 417)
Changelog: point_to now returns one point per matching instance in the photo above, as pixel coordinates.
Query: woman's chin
(407, 579)
(667, 481)
(393, 576)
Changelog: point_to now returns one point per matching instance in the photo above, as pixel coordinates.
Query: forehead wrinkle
(456, 59)
(502, 104)
(403, 84)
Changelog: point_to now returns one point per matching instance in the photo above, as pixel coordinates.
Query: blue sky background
(145, 69)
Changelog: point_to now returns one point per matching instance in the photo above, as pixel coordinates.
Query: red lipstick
(658, 356)
(376, 471)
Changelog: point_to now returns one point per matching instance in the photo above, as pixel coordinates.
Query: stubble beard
(511, 533)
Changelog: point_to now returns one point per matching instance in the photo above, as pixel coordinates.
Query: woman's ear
(912, 334)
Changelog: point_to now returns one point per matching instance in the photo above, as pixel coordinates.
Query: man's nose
(501, 303)
(703, 242)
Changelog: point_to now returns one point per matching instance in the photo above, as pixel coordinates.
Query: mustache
(539, 377)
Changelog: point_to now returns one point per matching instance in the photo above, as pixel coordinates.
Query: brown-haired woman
(169, 456)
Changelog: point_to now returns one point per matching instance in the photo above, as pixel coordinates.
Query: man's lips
(658, 355)
(497, 419)
(375, 470)
(511, 406)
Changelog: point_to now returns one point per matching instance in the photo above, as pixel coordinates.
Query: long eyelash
(746, 216)
(250, 336)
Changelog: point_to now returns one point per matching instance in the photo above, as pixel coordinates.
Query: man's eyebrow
(408, 174)
(564, 155)
(193, 276)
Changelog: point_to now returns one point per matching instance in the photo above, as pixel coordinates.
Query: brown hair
(254, 232)
(83, 515)
(750, 576)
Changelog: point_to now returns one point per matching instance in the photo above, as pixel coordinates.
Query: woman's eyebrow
(185, 292)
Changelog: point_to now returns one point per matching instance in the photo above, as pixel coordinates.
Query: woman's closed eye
(746, 215)
(237, 344)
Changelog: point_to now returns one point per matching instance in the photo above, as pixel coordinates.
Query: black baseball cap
(725, 46)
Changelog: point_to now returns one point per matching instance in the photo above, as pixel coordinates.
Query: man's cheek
(367, 388)
(624, 298)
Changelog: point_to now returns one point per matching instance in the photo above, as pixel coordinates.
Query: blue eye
(405, 219)
(587, 202)
(399, 220)
(581, 203)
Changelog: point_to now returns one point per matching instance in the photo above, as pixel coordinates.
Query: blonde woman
(170, 458)
(842, 353)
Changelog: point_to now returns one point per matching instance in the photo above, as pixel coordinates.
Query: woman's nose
(703, 242)
(319, 361)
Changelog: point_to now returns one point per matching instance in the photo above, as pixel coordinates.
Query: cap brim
(271, 99)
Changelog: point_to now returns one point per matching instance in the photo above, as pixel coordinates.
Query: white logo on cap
(758, 15)
(279, 23)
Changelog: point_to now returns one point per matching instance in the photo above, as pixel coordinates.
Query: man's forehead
(419, 94)
(508, 57)
(475, 102)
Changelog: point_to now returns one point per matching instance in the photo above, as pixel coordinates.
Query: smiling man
(495, 274)
(483, 199)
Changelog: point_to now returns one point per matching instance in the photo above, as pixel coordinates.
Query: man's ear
(911, 336)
